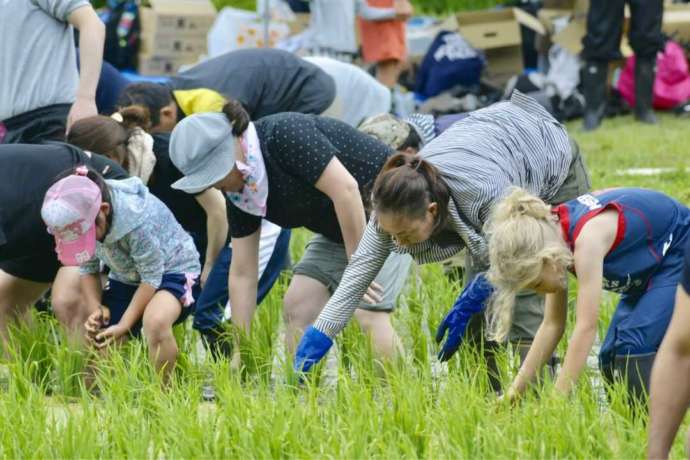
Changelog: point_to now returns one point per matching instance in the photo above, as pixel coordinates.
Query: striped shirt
(512, 143)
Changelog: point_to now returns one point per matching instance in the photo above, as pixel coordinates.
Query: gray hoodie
(145, 241)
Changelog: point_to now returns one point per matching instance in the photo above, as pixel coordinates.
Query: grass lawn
(421, 409)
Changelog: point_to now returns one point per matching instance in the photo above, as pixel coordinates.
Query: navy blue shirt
(651, 227)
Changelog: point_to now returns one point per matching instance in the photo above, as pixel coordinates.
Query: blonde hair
(521, 241)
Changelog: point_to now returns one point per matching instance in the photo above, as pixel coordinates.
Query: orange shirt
(383, 40)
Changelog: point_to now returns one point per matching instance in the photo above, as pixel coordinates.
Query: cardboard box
(548, 16)
(163, 65)
(173, 46)
(497, 34)
(177, 18)
(677, 21)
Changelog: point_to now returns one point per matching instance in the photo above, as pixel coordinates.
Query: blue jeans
(208, 315)
(640, 321)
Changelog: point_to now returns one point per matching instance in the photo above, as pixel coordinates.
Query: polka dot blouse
(296, 149)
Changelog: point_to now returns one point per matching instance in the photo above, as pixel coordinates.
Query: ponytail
(121, 137)
(134, 116)
(102, 135)
(518, 232)
(237, 116)
(407, 184)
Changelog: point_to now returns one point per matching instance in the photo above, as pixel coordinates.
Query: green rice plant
(412, 408)
(29, 349)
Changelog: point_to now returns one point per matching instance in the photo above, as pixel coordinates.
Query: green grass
(415, 411)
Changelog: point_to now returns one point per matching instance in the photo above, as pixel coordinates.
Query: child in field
(154, 267)
(627, 240)
(203, 215)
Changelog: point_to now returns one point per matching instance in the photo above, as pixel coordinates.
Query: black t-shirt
(296, 150)
(685, 281)
(265, 81)
(184, 206)
(26, 173)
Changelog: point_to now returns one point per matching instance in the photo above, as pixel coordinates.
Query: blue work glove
(471, 301)
(313, 346)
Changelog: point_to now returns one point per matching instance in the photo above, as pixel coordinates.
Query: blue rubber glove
(471, 301)
(313, 346)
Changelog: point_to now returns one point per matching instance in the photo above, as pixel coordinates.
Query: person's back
(38, 66)
(517, 136)
(265, 81)
(36, 37)
(359, 95)
(26, 172)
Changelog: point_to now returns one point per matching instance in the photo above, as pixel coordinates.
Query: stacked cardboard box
(497, 34)
(173, 34)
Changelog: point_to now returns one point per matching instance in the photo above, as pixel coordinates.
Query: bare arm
(243, 279)
(91, 40)
(549, 334)
(343, 190)
(591, 247)
(213, 202)
(670, 393)
(136, 307)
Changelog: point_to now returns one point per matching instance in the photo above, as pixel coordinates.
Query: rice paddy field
(413, 408)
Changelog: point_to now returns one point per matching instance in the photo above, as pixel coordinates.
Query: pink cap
(69, 210)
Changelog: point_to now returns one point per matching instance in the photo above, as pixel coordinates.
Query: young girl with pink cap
(154, 266)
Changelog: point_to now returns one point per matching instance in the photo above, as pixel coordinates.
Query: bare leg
(304, 300)
(68, 304)
(16, 296)
(159, 317)
(378, 326)
(388, 72)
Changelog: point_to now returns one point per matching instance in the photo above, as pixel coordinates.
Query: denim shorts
(118, 295)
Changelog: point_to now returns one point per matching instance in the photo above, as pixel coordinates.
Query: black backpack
(122, 33)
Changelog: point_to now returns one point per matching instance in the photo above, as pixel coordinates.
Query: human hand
(470, 302)
(374, 294)
(403, 10)
(313, 346)
(96, 321)
(83, 107)
(110, 335)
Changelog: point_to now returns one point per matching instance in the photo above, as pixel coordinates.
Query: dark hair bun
(136, 116)
(237, 116)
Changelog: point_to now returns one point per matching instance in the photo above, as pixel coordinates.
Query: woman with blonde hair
(629, 241)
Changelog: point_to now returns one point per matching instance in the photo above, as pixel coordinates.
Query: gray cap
(202, 147)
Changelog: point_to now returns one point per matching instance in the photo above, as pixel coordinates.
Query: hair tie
(415, 163)
(117, 116)
(81, 171)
